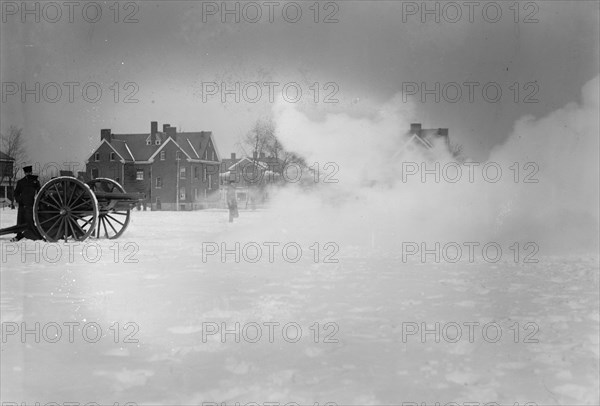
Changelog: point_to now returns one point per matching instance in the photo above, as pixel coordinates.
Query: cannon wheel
(65, 208)
(111, 222)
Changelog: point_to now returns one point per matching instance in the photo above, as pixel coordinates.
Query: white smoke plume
(373, 207)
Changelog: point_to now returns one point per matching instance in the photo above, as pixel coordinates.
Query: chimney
(443, 132)
(233, 155)
(165, 126)
(105, 134)
(415, 128)
(153, 128)
(172, 132)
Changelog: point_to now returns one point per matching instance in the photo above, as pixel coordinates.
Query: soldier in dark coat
(27, 188)
(232, 202)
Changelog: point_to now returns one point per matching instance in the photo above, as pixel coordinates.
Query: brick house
(6, 173)
(176, 170)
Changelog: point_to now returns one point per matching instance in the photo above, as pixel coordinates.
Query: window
(181, 193)
(182, 173)
(158, 183)
(196, 193)
(95, 173)
(204, 173)
(148, 141)
(157, 142)
(112, 156)
(210, 181)
(139, 174)
(196, 172)
(177, 155)
(97, 156)
(163, 155)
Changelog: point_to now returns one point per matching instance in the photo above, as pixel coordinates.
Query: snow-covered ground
(175, 300)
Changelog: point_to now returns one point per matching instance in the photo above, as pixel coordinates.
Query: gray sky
(369, 54)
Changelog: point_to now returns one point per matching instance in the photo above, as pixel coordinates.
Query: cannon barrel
(14, 229)
(122, 197)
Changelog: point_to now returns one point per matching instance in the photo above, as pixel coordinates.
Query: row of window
(182, 174)
(113, 156)
(139, 175)
(158, 182)
(163, 156)
(205, 175)
(182, 194)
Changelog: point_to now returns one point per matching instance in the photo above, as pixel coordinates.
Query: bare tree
(262, 138)
(257, 140)
(13, 145)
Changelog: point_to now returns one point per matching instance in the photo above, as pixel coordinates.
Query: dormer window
(112, 156)
(148, 141)
(157, 142)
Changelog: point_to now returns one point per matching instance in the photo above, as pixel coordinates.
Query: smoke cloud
(540, 186)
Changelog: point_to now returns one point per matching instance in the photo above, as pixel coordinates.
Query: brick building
(176, 170)
(6, 173)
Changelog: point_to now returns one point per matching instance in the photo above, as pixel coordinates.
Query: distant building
(175, 170)
(251, 176)
(7, 167)
(426, 138)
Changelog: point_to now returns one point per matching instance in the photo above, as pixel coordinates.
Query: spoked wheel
(112, 218)
(65, 208)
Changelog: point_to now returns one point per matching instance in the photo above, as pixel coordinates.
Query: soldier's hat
(28, 169)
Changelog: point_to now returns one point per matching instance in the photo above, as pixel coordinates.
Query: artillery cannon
(67, 208)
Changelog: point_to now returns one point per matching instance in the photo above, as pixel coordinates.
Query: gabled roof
(169, 140)
(194, 144)
(134, 147)
(121, 148)
(115, 148)
(421, 140)
(136, 143)
(228, 163)
(431, 135)
(267, 163)
(425, 137)
(246, 159)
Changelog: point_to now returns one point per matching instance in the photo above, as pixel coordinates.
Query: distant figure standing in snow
(232, 202)
(27, 188)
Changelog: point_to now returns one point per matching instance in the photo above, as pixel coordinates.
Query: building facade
(252, 177)
(175, 170)
(7, 167)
